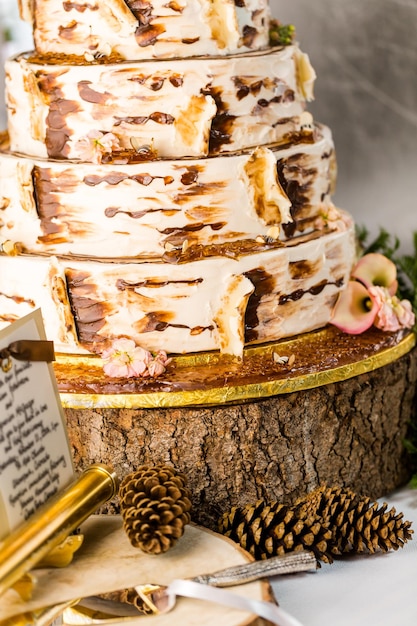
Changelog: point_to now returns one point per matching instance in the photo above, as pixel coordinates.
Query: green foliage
(281, 34)
(406, 265)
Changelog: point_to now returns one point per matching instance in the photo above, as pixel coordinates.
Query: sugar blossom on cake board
(125, 359)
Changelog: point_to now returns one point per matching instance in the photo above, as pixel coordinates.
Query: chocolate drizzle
(90, 95)
(157, 117)
(155, 321)
(124, 285)
(222, 123)
(249, 35)
(69, 6)
(315, 290)
(290, 172)
(148, 34)
(66, 32)
(193, 227)
(114, 178)
(47, 204)
(19, 299)
(264, 284)
(111, 212)
(88, 311)
(56, 133)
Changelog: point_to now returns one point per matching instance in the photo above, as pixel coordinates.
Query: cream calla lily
(370, 299)
(355, 310)
(375, 269)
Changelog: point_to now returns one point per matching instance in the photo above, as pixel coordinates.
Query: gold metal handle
(51, 524)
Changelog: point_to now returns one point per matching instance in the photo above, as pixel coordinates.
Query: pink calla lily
(376, 270)
(355, 309)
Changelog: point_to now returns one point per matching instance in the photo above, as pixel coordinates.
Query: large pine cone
(267, 529)
(155, 505)
(357, 524)
(329, 521)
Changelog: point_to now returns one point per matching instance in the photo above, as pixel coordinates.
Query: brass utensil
(48, 527)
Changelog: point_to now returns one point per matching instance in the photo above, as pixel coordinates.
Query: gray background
(365, 56)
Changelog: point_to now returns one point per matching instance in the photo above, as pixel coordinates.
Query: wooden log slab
(108, 562)
(348, 433)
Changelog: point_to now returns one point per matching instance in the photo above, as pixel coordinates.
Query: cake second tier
(178, 108)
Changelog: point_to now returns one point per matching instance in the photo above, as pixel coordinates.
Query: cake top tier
(141, 29)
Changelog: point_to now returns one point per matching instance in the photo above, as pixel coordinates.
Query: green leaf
(406, 265)
(281, 34)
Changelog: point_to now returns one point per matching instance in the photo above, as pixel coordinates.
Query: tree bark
(349, 433)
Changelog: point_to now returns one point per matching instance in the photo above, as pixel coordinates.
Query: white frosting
(161, 29)
(226, 236)
(181, 308)
(175, 106)
(146, 209)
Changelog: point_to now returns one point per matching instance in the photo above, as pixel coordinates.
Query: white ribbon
(267, 610)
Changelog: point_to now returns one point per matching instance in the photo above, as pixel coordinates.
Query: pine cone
(155, 505)
(357, 524)
(269, 529)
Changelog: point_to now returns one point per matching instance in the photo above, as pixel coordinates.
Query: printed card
(35, 456)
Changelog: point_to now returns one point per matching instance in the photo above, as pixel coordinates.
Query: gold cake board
(209, 379)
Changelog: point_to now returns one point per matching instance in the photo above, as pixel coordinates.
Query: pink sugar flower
(157, 366)
(331, 218)
(95, 144)
(393, 313)
(125, 359)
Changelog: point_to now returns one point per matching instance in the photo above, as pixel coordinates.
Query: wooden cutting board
(107, 561)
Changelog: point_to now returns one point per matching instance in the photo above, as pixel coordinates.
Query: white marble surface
(371, 590)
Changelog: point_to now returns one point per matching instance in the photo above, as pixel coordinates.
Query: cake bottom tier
(348, 433)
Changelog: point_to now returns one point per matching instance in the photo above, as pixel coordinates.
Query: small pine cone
(129, 595)
(357, 524)
(269, 529)
(155, 505)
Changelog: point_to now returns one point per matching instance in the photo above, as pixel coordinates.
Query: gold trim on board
(225, 389)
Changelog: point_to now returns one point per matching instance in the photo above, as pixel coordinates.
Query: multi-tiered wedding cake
(166, 202)
(162, 181)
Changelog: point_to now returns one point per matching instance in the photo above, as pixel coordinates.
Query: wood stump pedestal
(348, 431)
